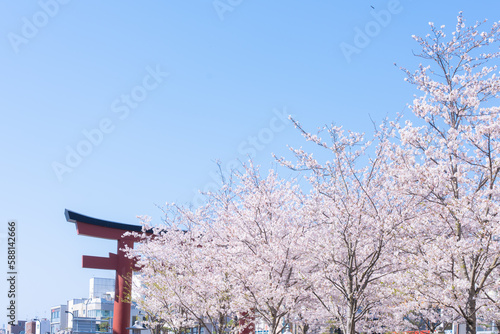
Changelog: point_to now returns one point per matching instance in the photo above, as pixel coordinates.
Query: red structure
(123, 266)
(246, 323)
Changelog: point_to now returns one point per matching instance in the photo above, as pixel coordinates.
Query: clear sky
(112, 108)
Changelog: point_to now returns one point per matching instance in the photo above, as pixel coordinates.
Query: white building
(90, 315)
(102, 288)
(42, 326)
(93, 314)
(58, 319)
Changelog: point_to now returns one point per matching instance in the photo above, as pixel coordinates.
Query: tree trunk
(470, 320)
(351, 326)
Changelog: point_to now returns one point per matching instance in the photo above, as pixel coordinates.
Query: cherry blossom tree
(352, 247)
(259, 223)
(449, 159)
(237, 256)
(182, 282)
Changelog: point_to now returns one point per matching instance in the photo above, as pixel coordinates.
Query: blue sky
(163, 89)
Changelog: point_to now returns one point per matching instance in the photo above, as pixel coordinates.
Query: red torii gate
(123, 266)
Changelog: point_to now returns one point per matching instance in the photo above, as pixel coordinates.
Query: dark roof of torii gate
(105, 229)
(74, 217)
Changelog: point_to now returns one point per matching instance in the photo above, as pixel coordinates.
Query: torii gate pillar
(119, 262)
